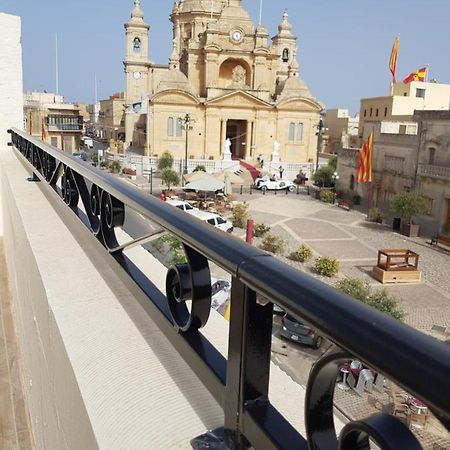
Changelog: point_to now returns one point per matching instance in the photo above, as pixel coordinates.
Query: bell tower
(136, 65)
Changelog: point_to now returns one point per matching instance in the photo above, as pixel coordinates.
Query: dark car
(299, 332)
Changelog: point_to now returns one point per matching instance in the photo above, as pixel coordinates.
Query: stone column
(223, 134)
(248, 140)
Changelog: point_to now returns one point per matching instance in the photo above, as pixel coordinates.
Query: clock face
(236, 36)
(137, 75)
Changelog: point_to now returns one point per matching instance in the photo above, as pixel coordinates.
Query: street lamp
(186, 121)
(320, 130)
(334, 178)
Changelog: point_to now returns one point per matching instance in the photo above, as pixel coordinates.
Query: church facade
(226, 82)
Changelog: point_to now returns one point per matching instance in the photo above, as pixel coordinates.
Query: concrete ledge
(97, 371)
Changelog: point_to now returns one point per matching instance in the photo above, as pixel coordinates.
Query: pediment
(238, 99)
(174, 97)
(300, 104)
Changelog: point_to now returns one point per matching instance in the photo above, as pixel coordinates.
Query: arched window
(285, 55)
(179, 126)
(170, 126)
(300, 132)
(136, 45)
(292, 131)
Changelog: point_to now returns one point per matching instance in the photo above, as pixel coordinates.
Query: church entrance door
(236, 132)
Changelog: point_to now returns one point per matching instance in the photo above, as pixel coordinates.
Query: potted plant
(405, 205)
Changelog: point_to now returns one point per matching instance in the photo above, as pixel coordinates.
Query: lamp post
(186, 121)
(320, 130)
(334, 178)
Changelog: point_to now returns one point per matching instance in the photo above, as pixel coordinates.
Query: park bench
(441, 240)
(344, 204)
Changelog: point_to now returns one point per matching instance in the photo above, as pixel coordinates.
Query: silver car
(299, 332)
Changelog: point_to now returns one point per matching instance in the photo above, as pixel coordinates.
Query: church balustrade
(240, 382)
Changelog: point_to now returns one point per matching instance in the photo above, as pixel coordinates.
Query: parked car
(276, 185)
(299, 332)
(220, 293)
(81, 155)
(184, 206)
(213, 219)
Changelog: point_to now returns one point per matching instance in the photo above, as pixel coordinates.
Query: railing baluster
(248, 358)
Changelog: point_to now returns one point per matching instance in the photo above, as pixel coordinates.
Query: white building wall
(11, 80)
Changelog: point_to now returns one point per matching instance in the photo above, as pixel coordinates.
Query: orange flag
(393, 58)
(418, 75)
(364, 163)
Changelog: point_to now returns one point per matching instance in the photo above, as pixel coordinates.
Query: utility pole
(319, 134)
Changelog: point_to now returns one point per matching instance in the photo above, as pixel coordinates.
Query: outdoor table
(345, 370)
(416, 404)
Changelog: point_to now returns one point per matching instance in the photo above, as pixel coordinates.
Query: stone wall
(11, 84)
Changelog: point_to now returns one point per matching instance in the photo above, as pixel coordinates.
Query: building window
(300, 132)
(431, 154)
(428, 205)
(292, 131)
(370, 112)
(385, 112)
(376, 113)
(365, 112)
(179, 126)
(420, 93)
(136, 45)
(394, 164)
(54, 141)
(170, 127)
(285, 56)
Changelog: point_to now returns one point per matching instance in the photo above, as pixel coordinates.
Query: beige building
(341, 130)
(111, 119)
(403, 100)
(226, 79)
(59, 124)
(433, 174)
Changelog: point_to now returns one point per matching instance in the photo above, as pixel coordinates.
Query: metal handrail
(416, 362)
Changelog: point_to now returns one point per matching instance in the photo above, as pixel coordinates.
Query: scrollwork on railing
(241, 383)
(189, 282)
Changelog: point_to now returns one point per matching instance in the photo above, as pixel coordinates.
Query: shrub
(240, 215)
(115, 166)
(326, 195)
(104, 164)
(261, 229)
(94, 159)
(375, 215)
(324, 176)
(302, 254)
(326, 266)
(165, 161)
(170, 178)
(273, 244)
(407, 204)
(379, 299)
(175, 249)
(199, 168)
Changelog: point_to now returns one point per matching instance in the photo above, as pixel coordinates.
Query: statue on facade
(238, 76)
(276, 151)
(227, 150)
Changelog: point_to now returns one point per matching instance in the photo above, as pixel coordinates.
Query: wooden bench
(441, 240)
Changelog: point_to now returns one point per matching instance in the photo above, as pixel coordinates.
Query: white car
(184, 206)
(220, 294)
(275, 185)
(213, 219)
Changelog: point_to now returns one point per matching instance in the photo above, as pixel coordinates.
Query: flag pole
(427, 73)
(260, 11)
(369, 183)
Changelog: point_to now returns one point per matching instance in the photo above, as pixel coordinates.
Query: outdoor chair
(400, 403)
(364, 381)
(417, 420)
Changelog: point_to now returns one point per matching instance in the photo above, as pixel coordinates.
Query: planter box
(410, 229)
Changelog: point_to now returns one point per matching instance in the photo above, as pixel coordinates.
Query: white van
(214, 220)
(184, 206)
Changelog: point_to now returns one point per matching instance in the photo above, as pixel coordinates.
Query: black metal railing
(414, 361)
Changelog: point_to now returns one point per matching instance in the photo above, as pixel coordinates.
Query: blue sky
(344, 45)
